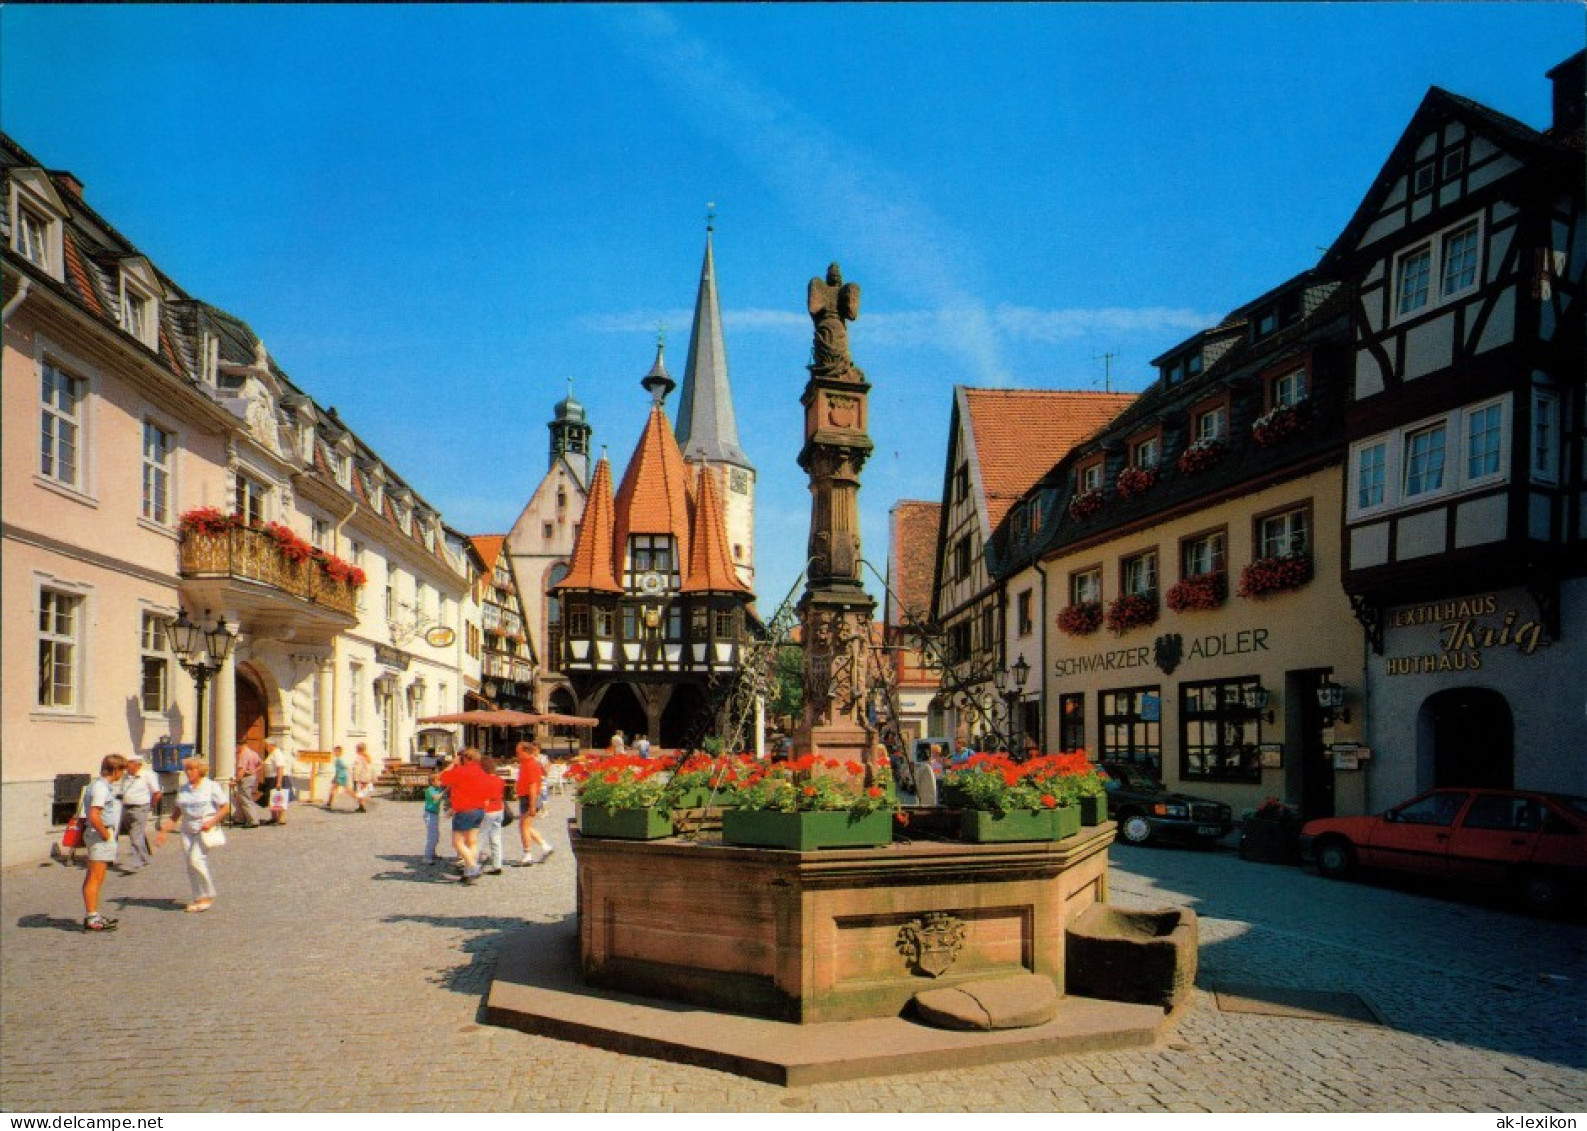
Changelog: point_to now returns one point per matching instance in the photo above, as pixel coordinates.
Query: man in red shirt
(468, 786)
(531, 779)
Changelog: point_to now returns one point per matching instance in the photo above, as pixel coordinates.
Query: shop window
(1131, 728)
(1220, 737)
(1072, 722)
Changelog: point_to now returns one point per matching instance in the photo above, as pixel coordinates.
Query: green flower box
(1093, 808)
(625, 824)
(988, 826)
(698, 798)
(806, 832)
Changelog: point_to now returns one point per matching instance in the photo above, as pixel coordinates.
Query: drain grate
(1287, 1001)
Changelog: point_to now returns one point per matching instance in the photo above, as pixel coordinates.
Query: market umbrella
(488, 718)
(568, 720)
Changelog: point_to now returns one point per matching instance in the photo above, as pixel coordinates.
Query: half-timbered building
(1463, 542)
(654, 611)
(1000, 442)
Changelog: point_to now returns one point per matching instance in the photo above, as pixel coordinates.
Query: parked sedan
(1147, 810)
(1533, 844)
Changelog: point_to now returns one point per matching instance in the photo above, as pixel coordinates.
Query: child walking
(434, 796)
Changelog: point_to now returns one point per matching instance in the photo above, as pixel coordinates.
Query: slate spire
(707, 430)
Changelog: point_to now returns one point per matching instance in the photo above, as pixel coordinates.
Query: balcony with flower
(1132, 610)
(1135, 481)
(1267, 576)
(1080, 619)
(1202, 456)
(269, 560)
(1279, 424)
(1198, 593)
(1085, 504)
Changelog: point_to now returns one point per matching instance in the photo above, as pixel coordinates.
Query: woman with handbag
(201, 806)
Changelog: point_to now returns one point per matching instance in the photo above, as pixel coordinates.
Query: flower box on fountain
(1038, 799)
(809, 803)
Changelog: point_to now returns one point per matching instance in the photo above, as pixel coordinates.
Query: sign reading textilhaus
(1465, 627)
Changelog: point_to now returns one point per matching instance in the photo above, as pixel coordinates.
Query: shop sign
(1466, 628)
(392, 657)
(1167, 652)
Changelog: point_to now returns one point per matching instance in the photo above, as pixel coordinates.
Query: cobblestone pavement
(337, 973)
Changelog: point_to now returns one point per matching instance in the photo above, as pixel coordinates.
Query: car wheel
(1335, 858)
(1541, 892)
(1136, 829)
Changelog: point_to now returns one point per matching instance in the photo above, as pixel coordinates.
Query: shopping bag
(73, 836)
(279, 800)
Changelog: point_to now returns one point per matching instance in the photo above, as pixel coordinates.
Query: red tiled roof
(1020, 433)
(79, 274)
(488, 546)
(913, 554)
(655, 493)
(591, 565)
(710, 565)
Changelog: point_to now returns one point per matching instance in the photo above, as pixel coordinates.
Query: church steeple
(707, 429)
(570, 436)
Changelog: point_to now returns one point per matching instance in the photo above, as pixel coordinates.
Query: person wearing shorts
(531, 778)
(102, 807)
(341, 778)
(467, 785)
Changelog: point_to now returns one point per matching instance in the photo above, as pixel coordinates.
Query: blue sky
(434, 216)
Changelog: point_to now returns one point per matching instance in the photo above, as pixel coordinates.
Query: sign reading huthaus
(1466, 627)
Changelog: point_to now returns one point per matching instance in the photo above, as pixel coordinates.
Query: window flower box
(625, 824)
(1201, 456)
(1133, 610)
(1267, 576)
(1278, 425)
(994, 826)
(1080, 620)
(1086, 504)
(1038, 799)
(1135, 481)
(1194, 594)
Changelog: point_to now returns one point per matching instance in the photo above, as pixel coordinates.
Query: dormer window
(208, 357)
(36, 212)
(1288, 388)
(1144, 453)
(140, 310)
(1089, 477)
(31, 231)
(1193, 365)
(1211, 423)
(650, 562)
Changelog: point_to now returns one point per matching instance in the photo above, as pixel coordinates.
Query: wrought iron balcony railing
(253, 555)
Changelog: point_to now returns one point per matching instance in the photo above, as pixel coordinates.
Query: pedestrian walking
(642, 747)
(246, 813)
(140, 793)
(531, 798)
(434, 796)
(341, 776)
(618, 745)
(201, 805)
(102, 807)
(363, 774)
(278, 779)
(466, 785)
(490, 854)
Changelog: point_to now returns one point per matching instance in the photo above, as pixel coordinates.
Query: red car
(1534, 844)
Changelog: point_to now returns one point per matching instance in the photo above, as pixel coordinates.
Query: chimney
(69, 182)
(1570, 79)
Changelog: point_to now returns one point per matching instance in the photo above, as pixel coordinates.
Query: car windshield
(1130, 777)
(1577, 805)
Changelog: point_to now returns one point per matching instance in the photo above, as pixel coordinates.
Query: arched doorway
(1466, 737)
(253, 715)
(619, 709)
(681, 719)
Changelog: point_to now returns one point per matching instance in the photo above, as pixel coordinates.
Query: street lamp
(1257, 699)
(201, 652)
(1021, 672)
(1331, 698)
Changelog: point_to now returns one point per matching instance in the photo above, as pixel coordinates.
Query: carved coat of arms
(931, 943)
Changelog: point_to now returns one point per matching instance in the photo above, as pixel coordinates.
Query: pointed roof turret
(658, 382)
(654, 495)
(707, 428)
(591, 567)
(710, 565)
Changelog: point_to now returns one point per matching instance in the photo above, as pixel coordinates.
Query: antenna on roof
(1107, 369)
